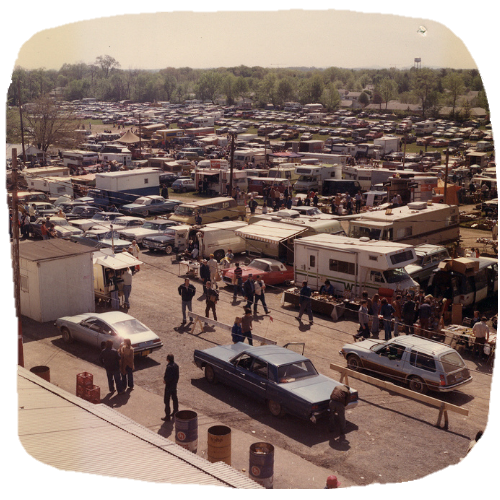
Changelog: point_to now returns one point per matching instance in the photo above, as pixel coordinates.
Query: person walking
(212, 296)
(110, 358)
(260, 287)
(246, 325)
(339, 399)
(238, 280)
(187, 291)
(305, 302)
(170, 379)
(249, 290)
(127, 364)
(363, 317)
(164, 191)
(134, 249)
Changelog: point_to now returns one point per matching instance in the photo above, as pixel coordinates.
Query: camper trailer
(415, 223)
(353, 265)
(312, 177)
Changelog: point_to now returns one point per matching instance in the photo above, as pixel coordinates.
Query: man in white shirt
(482, 333)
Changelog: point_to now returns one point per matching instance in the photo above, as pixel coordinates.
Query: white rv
(312, 176)
(352, 265)
(415, 223)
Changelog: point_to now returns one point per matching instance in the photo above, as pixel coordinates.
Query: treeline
(106, 81)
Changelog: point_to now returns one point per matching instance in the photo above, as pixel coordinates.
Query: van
(331, 187)
(428, 259)
(212, 210)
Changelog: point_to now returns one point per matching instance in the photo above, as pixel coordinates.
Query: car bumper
(450, 388)
(145, 350)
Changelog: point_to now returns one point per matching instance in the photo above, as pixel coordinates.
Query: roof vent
(364, 239)
(417, 205)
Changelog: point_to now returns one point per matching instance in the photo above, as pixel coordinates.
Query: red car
(272, 271)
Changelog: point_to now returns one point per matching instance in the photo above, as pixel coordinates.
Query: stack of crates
(86, 389)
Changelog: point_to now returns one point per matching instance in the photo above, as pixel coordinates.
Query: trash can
(186, 430)
(41, 371)
(261, 468)
(219, 444)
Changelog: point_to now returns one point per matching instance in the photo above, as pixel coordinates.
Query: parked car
(68, 206)
(101, 238)
(150, 205)
(150, 227)
(82, 212)
(98, 218)
(423, 364)
(124, 222)
(183, 184)
(286, 380)
(95, 328)
(61, 226)
(272, 272)
(42, 209)
(164, 242)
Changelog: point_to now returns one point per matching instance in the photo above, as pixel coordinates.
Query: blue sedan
(284, 379)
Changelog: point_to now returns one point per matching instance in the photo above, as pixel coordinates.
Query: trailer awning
(107, 258)
(269, 231)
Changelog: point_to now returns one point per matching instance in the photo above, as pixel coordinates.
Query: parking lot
(389, 438)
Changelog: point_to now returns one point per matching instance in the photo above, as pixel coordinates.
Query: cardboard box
(464, 266)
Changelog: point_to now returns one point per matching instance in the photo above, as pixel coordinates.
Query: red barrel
(41, 371)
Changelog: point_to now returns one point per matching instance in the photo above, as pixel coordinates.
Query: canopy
(128, 138)
(269, 231)
(107, 258)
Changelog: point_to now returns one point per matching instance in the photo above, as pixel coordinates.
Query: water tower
(417, 63)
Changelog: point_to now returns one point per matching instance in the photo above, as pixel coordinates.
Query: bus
(212, 210)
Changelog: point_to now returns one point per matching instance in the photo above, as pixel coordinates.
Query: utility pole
(21, 118)
(15, 257)
(446, 175)
(231, 165)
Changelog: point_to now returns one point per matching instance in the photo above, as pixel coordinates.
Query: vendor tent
(129, 138)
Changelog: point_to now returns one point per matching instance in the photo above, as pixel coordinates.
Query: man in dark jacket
(305, 302)
(409, 314)
(212, 297)
(339, 399)
(187, 292)
(249, 290)
(110, 358)
(170, 380)
(204, 274)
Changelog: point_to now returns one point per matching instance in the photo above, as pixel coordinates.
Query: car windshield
(62, 222)
(295, 371)
(395, 275)
(151, 225)
(259, 264)
(452, 362)
(140, 201)
(129, 327)
(109, 235)
(100, 216)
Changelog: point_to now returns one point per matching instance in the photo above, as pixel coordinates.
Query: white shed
(57, 279)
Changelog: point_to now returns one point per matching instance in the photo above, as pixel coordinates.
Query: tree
(364, 99)
(330, 97)
(48, 125)
(424, 84)
(284, 91)
(387, 90)
(228, 85)
(107, 63)
(454, 83)
(169, 83)
(209, 85)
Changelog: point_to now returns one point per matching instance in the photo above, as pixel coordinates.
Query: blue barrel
(261, 468)
(186, 430)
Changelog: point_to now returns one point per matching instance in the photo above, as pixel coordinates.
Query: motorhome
(353, 265)
(211, 210)
(76, 158)
(388, 144)
(425, 128)
(417, 222)
(243, 157)
(283, 171)
(54, 186)
(328, 158)
(312, 177)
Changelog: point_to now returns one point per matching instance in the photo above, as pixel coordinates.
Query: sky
(270, 39)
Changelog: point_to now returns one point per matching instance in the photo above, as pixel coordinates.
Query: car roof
(422, 344)
(112, 317)
(274, 354)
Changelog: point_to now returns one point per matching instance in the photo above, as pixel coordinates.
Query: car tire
(353, 362)
(275, 408)
(418, 385)
(66, 335)
(169, 249)
(210, 374)
(184, 190)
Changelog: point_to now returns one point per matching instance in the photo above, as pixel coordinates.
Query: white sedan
(96, 328)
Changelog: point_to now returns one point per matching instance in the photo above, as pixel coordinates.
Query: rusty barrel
(219, 444)
(41, 371)
(186, 430)
(261, 468)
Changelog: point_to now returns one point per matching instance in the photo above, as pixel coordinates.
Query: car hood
(160, 237)
(139, 231)
(66, 231)
(364, 345)
(135, 206)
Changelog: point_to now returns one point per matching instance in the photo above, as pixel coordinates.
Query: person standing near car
(187, 291)
(260, 287)
(397, 314)
(127, 364)
(249, 290)
(204, 274)
(237, 281)
(127, 286)
(164, 191)
(339, 399)
(305, 302)
(246, 325)
(110, 358)
(386, 310)
(213, 265)
(170, 379)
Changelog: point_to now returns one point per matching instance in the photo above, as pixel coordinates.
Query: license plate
(145, 353)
